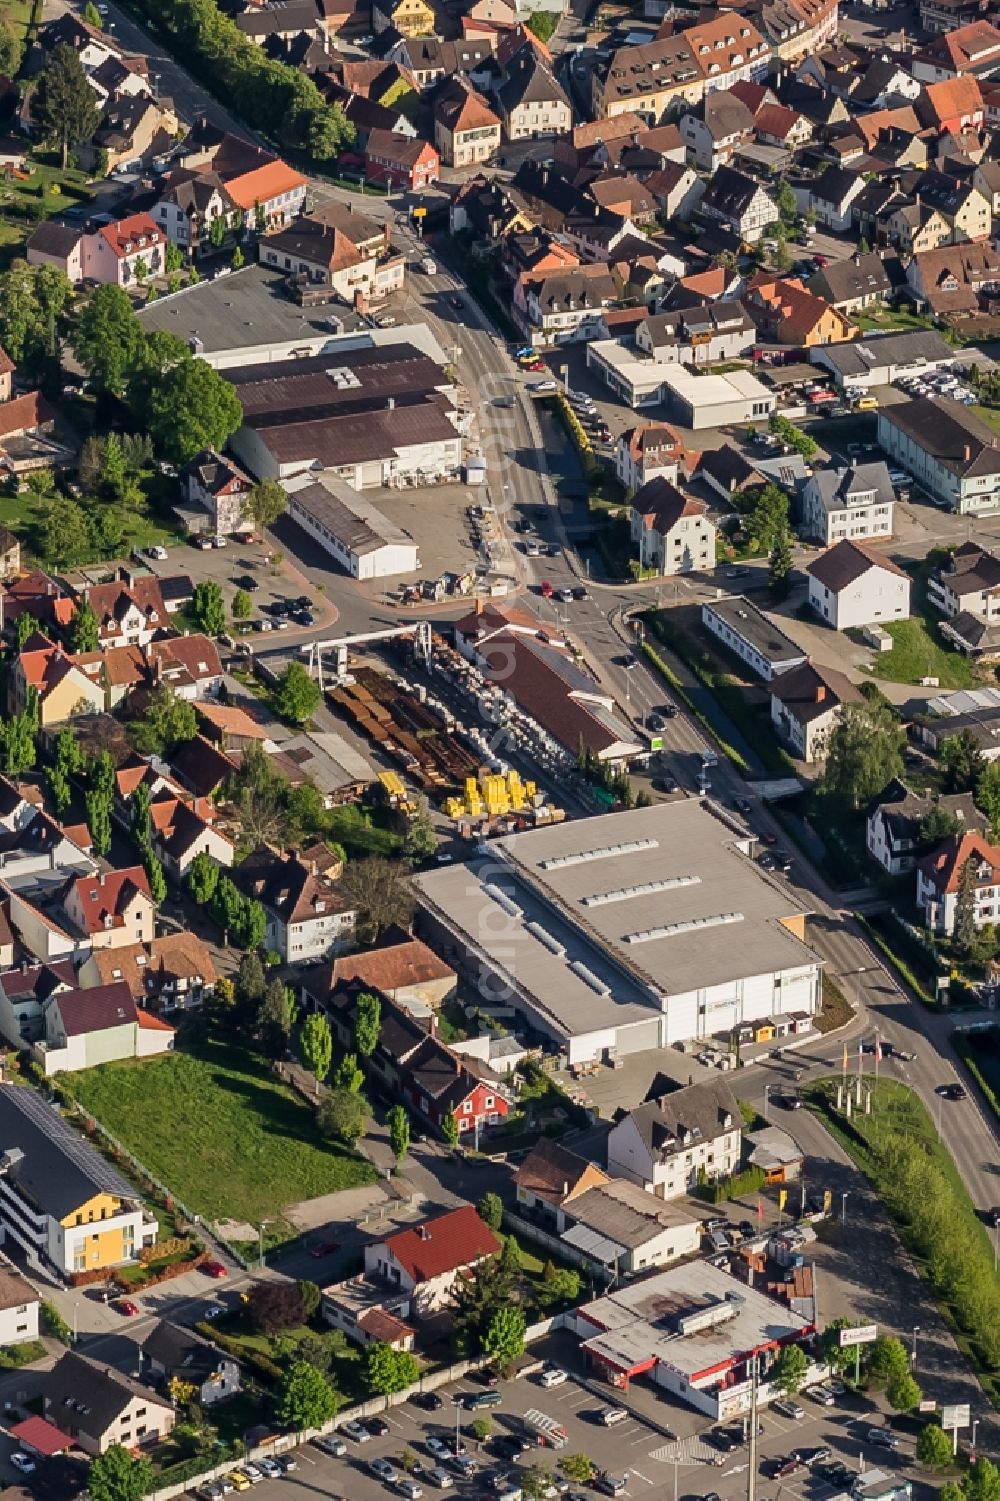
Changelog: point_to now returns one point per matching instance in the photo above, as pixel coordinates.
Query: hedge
(960, 1041)
(255, 1359)
(750, 1180)
(900, 965)
(667, 672)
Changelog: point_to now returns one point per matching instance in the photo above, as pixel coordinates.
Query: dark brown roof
(839, 566)
(97, 1009)
(811, 690)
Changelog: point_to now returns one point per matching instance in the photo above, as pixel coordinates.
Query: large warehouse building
(628, 932)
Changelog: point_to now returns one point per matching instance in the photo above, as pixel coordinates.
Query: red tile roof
(454, 1240)
(41, 1436)
(944, 865)
(137, 232)
(953, 98)
(106, 895)
(263, 184)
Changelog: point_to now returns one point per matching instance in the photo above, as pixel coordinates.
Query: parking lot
(650, 1464)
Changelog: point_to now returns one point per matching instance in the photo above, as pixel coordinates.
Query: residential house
(466, 129)
(713, 130)
(175, 1353)
(100, 1408)
(63, 690)
(967, 583)
(851, 586)
(735, 200)
(135, 127)
(83, 1028)
(112, 908)
(126, 252)
(532, 104)
(862, 281)
(270, 194)
(173, 973)
(972, 49)
(607, 1224)
(805, 705)
(92, 45)
(24, 994)
(953, 280)
(726, 471)
(623, 194)
(62, 1204)
(221, 487)
(652, 451)
(52, 244)
(916, 228)
(940, 875)
(189, 202)
(698, 335)
(949, 450)
(675, 188)
(402, 968)
(785, 313)
(894, 819)
(847, 500)
(647, 80)
(751, 636)
(355, 262)
(955, 104)
(390, 158)
(986, 177)
(728, 49)
(777, 125)
(832, 196)
(183, 830)
(426, 1260)
(19, 1307)
(672, 532)
(130, 609)
(32, 438)
(670, 1143)
(10, 553)
(563, 306)
(410, 18)
(307, 917)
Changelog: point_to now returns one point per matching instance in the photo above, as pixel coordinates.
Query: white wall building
(852, 586)
(848, 501)
(363, 541)
(751, 636)
(664, 1144)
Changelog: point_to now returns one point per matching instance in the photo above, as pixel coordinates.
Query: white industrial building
(365, 543)
(751, 636)
(626, 933)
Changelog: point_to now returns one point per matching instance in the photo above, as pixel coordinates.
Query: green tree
(107, 338)
(276, 1019)
(419, 840)
(864, 751)
(398, 1123)
(450, 1130)
(17, 734)
(141, 815)
(965, 934)
(167, 722)
(305, 1397)
(192, 408)
(887, 1360)
(156, 354)
(92, 15)
(113, 478)
(787, 205)
(387, 1370)
(988, 795)
(208, 607)
(217, 231)
(481, 1429)
(173, 258)
(24, 628)
(578, 1467)
(560, 1286)
(962, 762)
(311, 1297)
(200, 882)
(238, 259)
(933, 1447)
(344, 1113)
(250, 980)
(789, 1370)
(490, 1210)
(242, 605)
(542, 23)
(116, 1476)
(154, 875)
(903, 1393)
(938, 825)
(265, 502)
(347, 1075)
(786, 432)
(63, 104)
(782, 258)
(260, 794)
(83, 629)
(316, 1046)
(535, 1481)
(503, 1340)
(779, 567)
(982, 1481)
(766, 521)
(11, 51)
(297, 697)
(367, 1023)
(98, 822)
(380, 891)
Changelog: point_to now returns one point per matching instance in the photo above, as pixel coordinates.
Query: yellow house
(63, 690)
(63, 1205)
(410, 18)
(915, 227)
(648, 80)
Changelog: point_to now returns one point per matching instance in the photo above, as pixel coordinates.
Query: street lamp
(767, 1091)
(913, 1351)
(843, 1209)
(975, 1425)
(260, 1243)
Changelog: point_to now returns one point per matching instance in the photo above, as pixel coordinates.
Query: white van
(428, 266)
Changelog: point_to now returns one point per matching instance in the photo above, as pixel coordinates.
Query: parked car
(429, 1401)
(785, 1467)
(437, 1447)
(836, 1473)
(438, 1477)
(214, 1269)
(269, 1468)
(610, 1417)
(356, 1431)
(22, 1462)
(882, 1438)
(815, 1456)
(788, 1409)
(383, 1470)
(552, 1376)
(608, 1484)
(127, 1308)
(377, 1427)
(404, 1486)
(325, 1248)
(287, 1463)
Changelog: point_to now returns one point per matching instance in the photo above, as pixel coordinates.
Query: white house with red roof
(111, 908)
(99, 1025)
(427, 1259)
(673, 532)
(939, 881)
(126, 252)
(652, 451)
(274, 191)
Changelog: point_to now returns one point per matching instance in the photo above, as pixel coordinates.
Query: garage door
(639, 1038)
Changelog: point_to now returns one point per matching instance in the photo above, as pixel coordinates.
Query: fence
(428, 1382)
(553, 1243)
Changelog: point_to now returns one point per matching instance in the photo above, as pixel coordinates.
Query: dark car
(510, 1446)
(835, 1473)
(742, 804)
(765, 860)
(951, 1091)
(655, 722)
(429, 1401)
(789, 1101)
(377, 1427)
(628, 661)
(664, 784)
(304, 617)
(722, 1439)
(785, 1467)
(580, 592)
(993, 1217)
(248, 582)
(782, 860)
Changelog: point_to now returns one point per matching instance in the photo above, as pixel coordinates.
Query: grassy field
(882, 322)
(917, 653)
(220, 1131)
(22, 515)
(990, 415)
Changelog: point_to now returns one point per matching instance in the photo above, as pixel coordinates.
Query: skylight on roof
(605, 852)
(625, 893)
(689, 925)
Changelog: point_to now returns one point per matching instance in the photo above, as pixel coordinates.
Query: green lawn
(214, 1125)
(46, 192)
(22, 515)
(882, 322)
(990, 415)
(917, 653)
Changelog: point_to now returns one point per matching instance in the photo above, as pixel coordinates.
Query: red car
(325, 1248)
(546, 589)
(536, 367)
(214, 1269)
(127, 1308)
(785, 1467)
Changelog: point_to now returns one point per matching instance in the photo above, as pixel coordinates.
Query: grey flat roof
(639, 1321)
(743, 617)
(243, 310)
(654, 902)
(861, 356)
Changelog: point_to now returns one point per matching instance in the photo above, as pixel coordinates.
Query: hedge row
(899, 964)
(666, 671)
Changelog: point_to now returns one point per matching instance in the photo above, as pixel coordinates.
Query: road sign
(928, 1406)
(957, 1416)
(420, 213)
(865, 1334)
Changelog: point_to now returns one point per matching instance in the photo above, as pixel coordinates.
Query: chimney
(820, 693)
(565, 1187)
(425, 1234)
(967, 453)
(391, 404)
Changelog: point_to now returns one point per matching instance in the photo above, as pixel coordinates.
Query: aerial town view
(500, 750)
